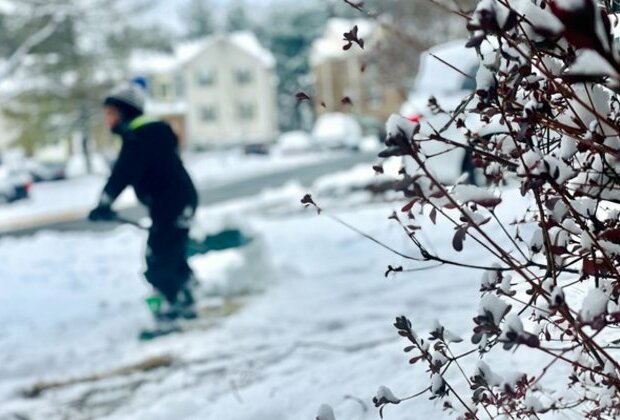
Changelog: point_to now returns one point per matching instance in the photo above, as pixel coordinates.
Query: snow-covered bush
(548, 114)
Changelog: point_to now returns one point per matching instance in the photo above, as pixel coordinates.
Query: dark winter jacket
(149, 161)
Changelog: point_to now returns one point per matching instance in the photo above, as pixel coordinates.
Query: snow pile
(358, 178)
(371, 144)
(226, 273)
(337, 130)
(294, 142)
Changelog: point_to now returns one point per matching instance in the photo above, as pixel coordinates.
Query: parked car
(294, 143)
(14, 185)
(256, 149)
(448, 86)
(337, 131)
(372, 127)
(46, 171)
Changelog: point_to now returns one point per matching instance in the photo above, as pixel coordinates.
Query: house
(216, 92)
(340, 73)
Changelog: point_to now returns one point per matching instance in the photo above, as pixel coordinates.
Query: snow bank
(359, 177)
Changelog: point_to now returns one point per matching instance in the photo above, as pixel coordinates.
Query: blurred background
(224, 74)
(268, 106)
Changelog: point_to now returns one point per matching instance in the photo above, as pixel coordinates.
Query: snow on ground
(357, 178)
(315, 326)
(73, 198)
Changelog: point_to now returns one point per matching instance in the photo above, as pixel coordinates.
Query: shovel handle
(127, 221)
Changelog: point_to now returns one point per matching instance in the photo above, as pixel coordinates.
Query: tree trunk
(85, 132)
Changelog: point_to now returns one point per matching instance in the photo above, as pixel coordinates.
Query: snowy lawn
(72, 198)
(315, 326)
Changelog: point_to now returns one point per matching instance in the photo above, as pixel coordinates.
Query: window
(179, 86)
(163, 90)
(206, 77)
(246, 112)
(243, 77)
(375, 96)
(208, 113)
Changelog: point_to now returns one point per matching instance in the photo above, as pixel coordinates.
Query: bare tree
(66, 54)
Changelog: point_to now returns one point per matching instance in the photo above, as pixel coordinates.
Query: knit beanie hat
(127, 95)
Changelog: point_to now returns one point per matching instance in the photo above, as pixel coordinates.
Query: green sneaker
(155, 303)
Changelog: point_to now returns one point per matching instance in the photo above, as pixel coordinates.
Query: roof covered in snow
(330, 45)
(248, 42)
(153, 62)
(159, 108)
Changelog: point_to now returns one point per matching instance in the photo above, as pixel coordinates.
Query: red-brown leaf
(459, 238)
(408, 206)
(433, 216)
(302, 96)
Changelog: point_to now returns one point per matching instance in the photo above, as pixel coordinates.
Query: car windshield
(469, 83)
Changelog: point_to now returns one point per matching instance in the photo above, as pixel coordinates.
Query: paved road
(210, 195)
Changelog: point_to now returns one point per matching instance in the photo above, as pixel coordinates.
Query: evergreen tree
(289, 32)
(197, 17)
(237, 18)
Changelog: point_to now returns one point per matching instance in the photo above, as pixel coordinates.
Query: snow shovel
(225, 239)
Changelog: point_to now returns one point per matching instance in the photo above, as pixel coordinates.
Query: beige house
(340, 74)
(217, 92)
